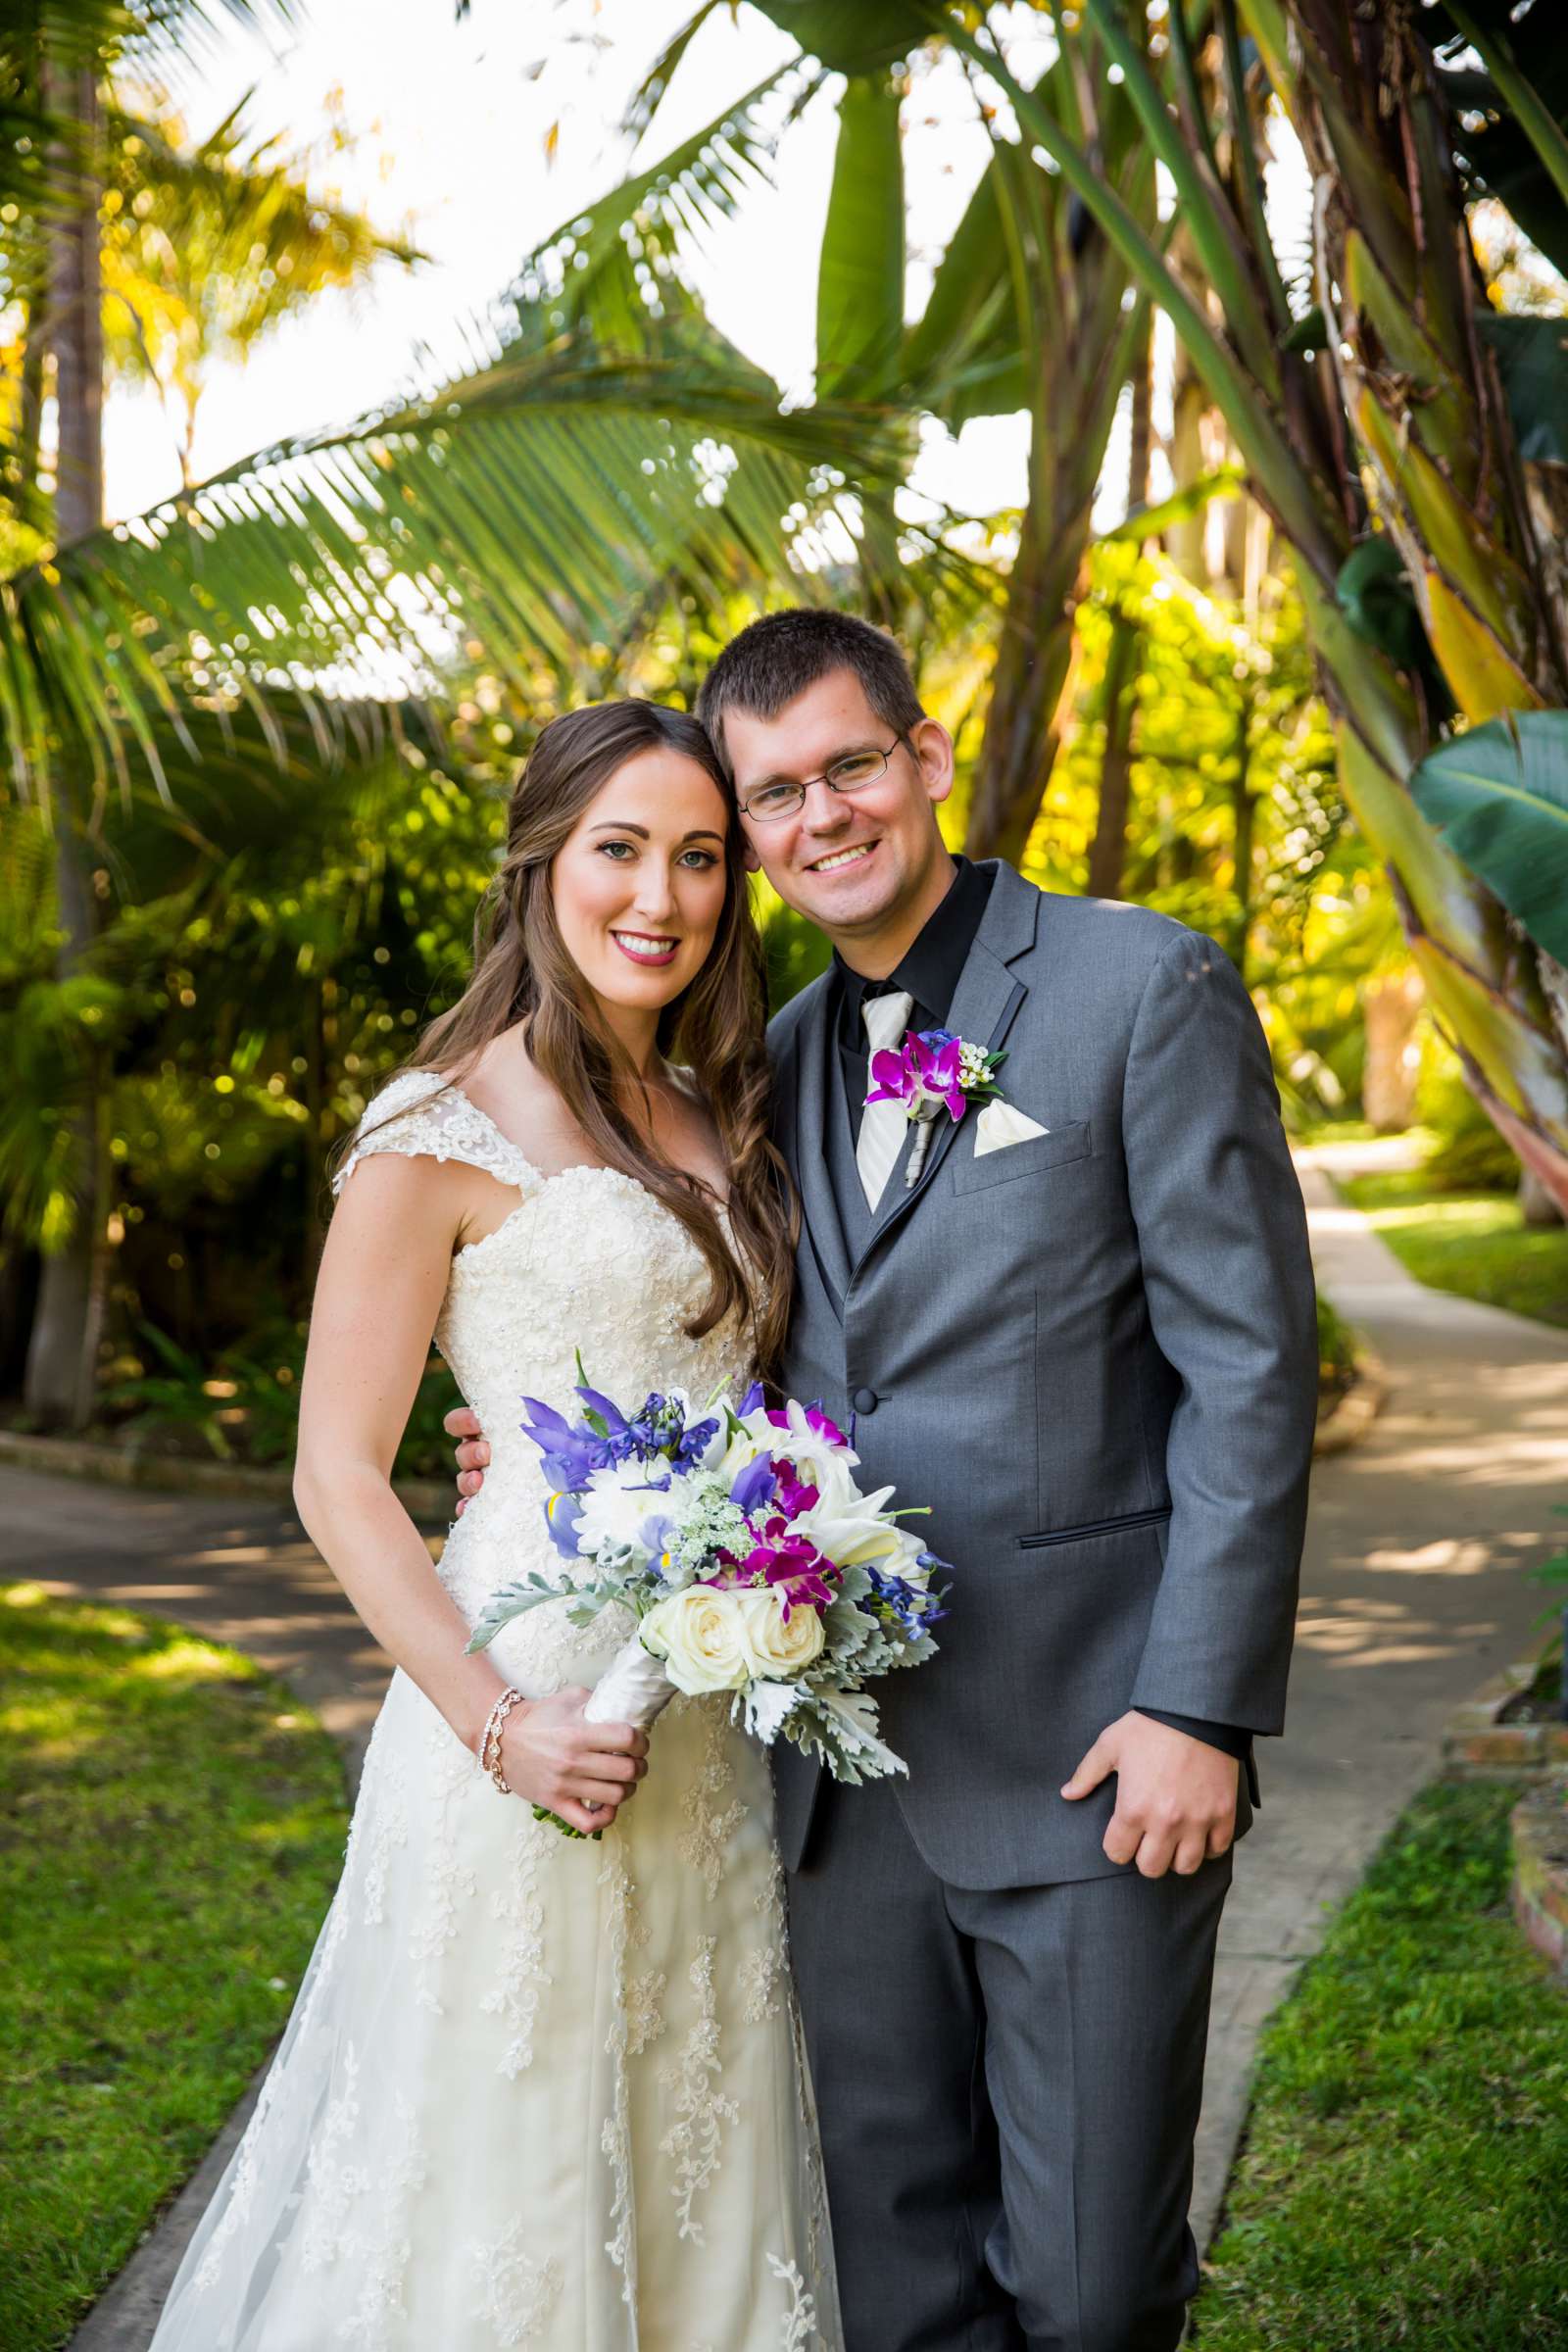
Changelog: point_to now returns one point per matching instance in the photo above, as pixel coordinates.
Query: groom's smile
(837, 858)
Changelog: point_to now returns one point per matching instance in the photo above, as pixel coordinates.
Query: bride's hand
(551, 1757)
(473, 1454)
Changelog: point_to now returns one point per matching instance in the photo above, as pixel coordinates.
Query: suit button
(864, 1401)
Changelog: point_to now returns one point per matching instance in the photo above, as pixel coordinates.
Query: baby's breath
(709, 1523)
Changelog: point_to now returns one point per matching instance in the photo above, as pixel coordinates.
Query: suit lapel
(811, 1110)
(983, 1009)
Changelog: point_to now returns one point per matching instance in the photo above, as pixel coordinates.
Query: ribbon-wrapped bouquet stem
(750, 1557)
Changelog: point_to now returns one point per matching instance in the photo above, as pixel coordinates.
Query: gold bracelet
(490, 1744)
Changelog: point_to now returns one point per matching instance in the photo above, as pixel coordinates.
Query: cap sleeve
(419, 1113)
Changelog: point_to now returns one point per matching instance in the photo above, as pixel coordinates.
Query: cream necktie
(882, 1124)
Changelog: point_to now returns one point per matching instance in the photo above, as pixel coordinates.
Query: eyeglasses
(851, 773)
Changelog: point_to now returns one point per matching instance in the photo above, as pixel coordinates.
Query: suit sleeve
(1228, 1280)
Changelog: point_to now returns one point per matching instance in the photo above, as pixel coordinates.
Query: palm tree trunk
(1108, 852)
(1034, 657)
(68, 1321)
(1245, 808)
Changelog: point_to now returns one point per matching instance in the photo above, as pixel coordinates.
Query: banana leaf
(1498, 796)
(866, 38)
(859, 287)
(1533, 361)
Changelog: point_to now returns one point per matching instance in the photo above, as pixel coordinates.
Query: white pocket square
(1001, 1125)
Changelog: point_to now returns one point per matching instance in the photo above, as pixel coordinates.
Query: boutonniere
(937, 1071)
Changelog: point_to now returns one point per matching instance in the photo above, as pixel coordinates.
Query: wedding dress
(535, 2090)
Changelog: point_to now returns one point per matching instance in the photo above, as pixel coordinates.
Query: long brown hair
(524, 972)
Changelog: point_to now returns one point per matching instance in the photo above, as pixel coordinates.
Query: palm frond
(622, 264)
(513, 518)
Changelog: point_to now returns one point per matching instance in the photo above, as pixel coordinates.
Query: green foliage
(796, 951)
(1222, 709)
(1474, 1160)
(1532, 361)
(1402, 2177)
(1553, 1573)
(1336, 1353)
(209, 245)
(243, 1403)
(872, 36)
(270, 946)
(175, 1829)
(177, 1395)
(1373, 593)
(1498, 797)
(1467, 1155)
(1407, 419)
(859, 292)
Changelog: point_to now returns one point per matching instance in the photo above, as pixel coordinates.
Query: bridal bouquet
(751, 1558)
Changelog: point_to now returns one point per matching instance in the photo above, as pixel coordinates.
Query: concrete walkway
(1414, 1592)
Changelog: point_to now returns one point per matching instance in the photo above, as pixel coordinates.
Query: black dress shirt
(930, 971)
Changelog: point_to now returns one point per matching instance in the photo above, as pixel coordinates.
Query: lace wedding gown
(535, 2091)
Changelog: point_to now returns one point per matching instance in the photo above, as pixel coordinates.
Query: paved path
(1412, 1594)
(239, 1572)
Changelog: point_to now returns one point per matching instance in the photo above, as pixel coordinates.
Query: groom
(1093, 1352)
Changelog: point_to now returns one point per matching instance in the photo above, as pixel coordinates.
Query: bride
(541, 2090)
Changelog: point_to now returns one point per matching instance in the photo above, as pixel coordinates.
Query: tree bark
(68, 1321)
(1536, 1205)
(1108, 852)
(1391, 1009)
(1034, 660)
(1245, 810)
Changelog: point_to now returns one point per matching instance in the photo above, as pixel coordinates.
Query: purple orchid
(794, 1564)
(930, 1070)
(794, 1497)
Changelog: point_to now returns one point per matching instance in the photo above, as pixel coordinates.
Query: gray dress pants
(1008, 2085)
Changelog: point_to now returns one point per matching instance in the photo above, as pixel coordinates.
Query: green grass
(1405, 2177)
(171, 1826)
(1335, 1354)
(1475, 1243)
(1332, 1129)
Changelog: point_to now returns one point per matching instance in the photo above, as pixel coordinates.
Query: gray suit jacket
(1092, 1354)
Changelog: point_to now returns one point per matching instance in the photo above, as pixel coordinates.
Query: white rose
(774, 1647)
(697, 1634)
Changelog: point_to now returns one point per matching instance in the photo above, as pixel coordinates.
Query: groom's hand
(473, 1454)
(1175, 1796)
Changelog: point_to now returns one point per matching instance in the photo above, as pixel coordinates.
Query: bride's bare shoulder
(522, 1103)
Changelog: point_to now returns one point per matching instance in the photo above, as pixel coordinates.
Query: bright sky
(454, 122)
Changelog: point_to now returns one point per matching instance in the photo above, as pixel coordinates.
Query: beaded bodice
(588, 1260)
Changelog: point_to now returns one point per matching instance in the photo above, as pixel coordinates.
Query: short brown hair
(779, 655)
